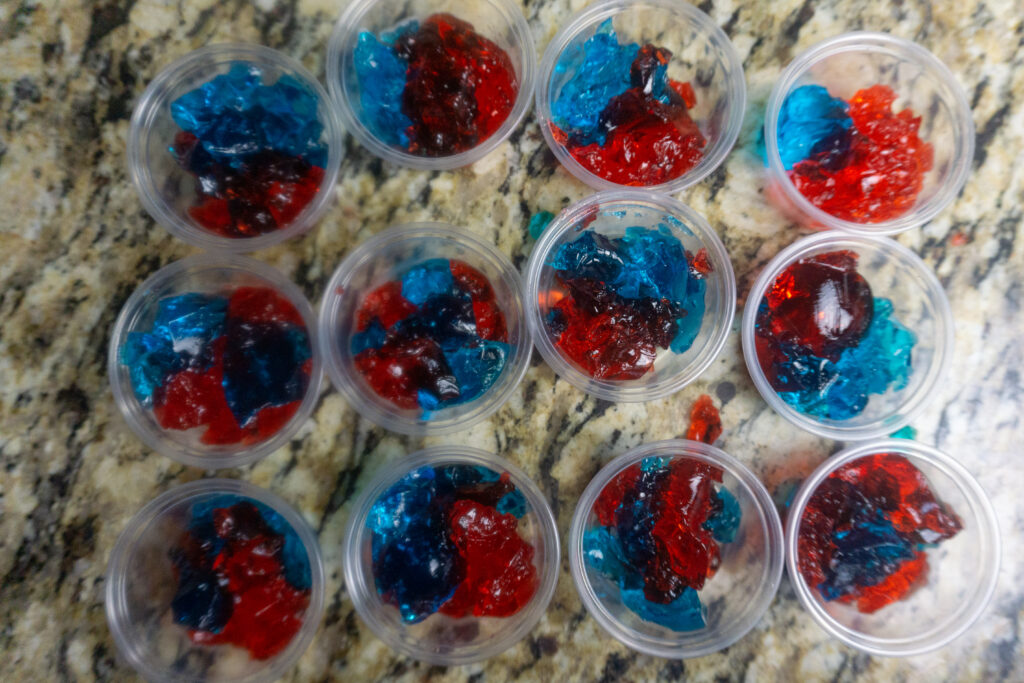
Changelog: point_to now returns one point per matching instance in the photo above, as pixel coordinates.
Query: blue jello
(810, 122)
(444, 539)
(626, 298)
(655, 536)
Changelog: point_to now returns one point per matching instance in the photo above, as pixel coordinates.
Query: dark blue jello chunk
(724, 519)
(864, 554)
(263, 367)
(200, 602)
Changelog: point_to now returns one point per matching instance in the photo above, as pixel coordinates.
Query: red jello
(705, 422)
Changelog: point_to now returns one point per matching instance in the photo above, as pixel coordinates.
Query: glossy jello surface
(619, 301)
(857, 159)
(434, 87)
(233, 366)
(446, 539)
(825, 343)
(434, 338)
(255, 148)
(620, 115)
(656, 531)
(866, 531)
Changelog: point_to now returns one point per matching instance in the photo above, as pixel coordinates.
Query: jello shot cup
(217, 580)
(424, 329)
(867, 133)
(893, 547)
(431, 85)
(676, 549)
(214, 361)
(847, 336)
(234, 148)
(646, 93)
(451, 555)
(630, 295)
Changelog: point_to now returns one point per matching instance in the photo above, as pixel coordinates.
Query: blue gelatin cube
(190, 320)
(685, 613)
(151, 360)
(809, 120)
(263, 367)
(724, 520)
(602, 552)
(593, 73)
(373, 337)
(382, 74)
(513, 503)
(865, 554)
(197, 110)
(590, 255)
(654, 265)
(477, 368)
(538, 222)
(430, 278)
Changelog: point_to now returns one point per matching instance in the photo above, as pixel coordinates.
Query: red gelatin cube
(705, 422)
(607, 504)
(386, 304)
(911, 575)
(262, 305)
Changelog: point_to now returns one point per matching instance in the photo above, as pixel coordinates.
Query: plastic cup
(609, 214)
(701, 55)
(141, 583)
(851, 62)
(386, 257)
(167, 190)
(205, 274)
(440, 639)
(501, 21)
(739, 593)
(962, 569)
(919, 303)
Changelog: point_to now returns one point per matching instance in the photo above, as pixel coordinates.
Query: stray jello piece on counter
(857, 160)
(866, 530)
(434, 87)
(825, 343)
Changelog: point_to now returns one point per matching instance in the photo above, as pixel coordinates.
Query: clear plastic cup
(962, 569)
(141, 583)
(167, 190)
(736, 597)
(440, 639)
(851, 62)
(501, 21)
(205, 274)
(609, 214)
(386, 257)
(919, 303)
(701, 55)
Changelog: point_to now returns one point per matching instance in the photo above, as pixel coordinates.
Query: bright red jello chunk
(884, 168)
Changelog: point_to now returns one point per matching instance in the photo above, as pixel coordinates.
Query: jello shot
(893, 548)
(213, 361)
(676, 549)
(424, 329)
(451, 555)
(867, 133)
(847, 336)
(217, 580)
(648, 94)
(431, 85)
(235, 148)
(630, 295)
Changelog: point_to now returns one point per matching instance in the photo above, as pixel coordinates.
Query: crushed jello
(434, 88)
(866, 529)
(824, 343)
(446, 540)
(243, 577)
(656, 532)
(256, 150)
(856, 160)
(433, 339)
(620, 115)
(620, 299)
(234, 366)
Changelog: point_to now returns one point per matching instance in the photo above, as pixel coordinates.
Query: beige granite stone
(76, 242)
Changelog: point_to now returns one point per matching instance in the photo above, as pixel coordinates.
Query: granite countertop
(77, 241)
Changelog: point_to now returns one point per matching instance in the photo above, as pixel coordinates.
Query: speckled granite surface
(76, 242)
